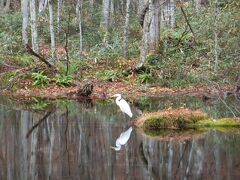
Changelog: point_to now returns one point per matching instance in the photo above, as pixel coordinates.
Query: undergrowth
(182, 60)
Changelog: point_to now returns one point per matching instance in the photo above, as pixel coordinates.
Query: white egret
(122, 139)
(124, 106)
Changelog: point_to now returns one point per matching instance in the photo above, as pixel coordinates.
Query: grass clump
(225, 122)
(182, 119)
(170, 119)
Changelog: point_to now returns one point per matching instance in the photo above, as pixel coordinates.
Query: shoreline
(105, 89)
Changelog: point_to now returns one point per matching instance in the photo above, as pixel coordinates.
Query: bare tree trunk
(25, 16)
(121, 6)
(79, 19)
(215, 31)
(138, 7)
(154, 31)
(151, 29)
(1, 4)
(59, 16)
(42, 4)
(172, 6)
(168, 15)
(126, 29)
(33, 18)
(112, 9)
(105, 20)
(7, 6)
(146, 24)
(53, 44)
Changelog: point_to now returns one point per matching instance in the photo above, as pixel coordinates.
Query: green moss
(179, 122)
(227, 122)
(155, 123)
(179, 119)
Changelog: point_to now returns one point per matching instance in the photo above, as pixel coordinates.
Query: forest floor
(101, 88)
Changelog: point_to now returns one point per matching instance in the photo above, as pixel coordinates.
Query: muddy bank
(104, 89)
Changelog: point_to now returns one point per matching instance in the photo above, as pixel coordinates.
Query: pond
(67, 139)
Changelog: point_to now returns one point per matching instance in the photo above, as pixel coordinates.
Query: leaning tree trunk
(53, 44)
(25, 16)
(79, 19)
(33, 18)
(126, 29)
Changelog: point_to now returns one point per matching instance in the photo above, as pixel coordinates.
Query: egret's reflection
(122, 139)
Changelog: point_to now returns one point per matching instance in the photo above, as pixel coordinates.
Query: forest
(60, 48)
(119, 89)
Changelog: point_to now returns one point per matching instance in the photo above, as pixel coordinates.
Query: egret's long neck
(118, 147)
(118, 99)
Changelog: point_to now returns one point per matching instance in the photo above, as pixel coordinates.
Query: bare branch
(32, 52)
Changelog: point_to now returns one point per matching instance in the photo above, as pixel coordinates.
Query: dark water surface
(72, 139)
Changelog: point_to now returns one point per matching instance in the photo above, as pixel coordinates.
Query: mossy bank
(182, 119)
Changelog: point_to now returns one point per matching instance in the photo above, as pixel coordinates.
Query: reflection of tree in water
(74, 142)
(200, 158)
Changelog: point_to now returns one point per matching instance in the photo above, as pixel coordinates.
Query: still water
(72, 139)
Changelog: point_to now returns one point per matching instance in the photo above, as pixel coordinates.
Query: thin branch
(183, 34)
(189, 25)
(66, 43)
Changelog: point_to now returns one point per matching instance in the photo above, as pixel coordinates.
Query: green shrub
(24, 60)
(40, 79)
(145, 78)
(63, 80)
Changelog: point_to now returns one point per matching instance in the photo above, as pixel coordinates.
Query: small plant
(62, 80)
(24, 60)
(39, 104)
(145, 78)
(109, 75)
(153, 59)
(40, 79)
